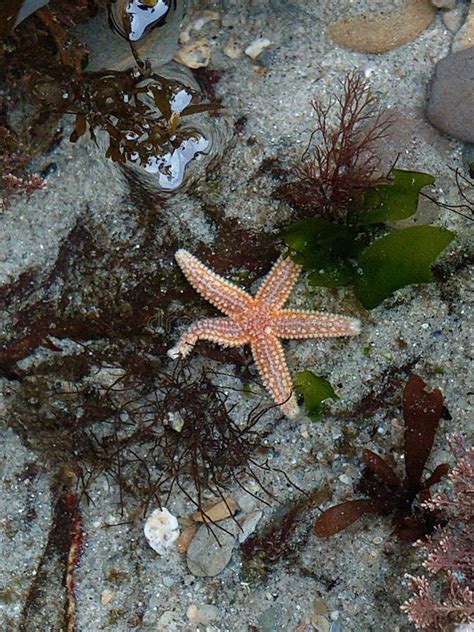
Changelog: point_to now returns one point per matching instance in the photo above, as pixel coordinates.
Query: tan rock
(380, 32)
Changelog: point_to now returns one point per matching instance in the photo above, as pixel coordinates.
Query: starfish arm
(279, 282)
(228, 298)
(292, 323)
(221, 330)
(271, 364)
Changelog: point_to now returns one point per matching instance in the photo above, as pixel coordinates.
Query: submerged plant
(388, 493)
(341, 160)
(450, 553)
(140, 112)
(349, 205)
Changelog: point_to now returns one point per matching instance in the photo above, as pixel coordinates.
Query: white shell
(161, 530)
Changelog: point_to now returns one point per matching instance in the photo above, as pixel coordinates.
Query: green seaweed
(398, 259)
(393, 201)
(315, 390)
(355, 251)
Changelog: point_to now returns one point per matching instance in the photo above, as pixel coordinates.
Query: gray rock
(451, 102)
(444, 4)
(205, 556)
(454, 18)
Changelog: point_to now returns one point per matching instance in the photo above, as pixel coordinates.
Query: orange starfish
(258, 321)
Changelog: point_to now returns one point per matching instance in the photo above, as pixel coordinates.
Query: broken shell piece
(161, 530)
(185, 538)
(254, 49)
(219, 511)
(248, 524)
(232, 49)
(194, 55)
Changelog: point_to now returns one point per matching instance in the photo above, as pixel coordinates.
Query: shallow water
(93, 292)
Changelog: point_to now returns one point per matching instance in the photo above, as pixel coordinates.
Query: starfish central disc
(258, 321)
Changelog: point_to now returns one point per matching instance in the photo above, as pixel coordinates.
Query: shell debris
(161, 530)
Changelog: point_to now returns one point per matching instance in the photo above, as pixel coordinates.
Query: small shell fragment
(254, 49)
(195, 54)
(161, 530)
(185, 538)
(249, 522)
(232, 49)
(219, 511)
(106, 596)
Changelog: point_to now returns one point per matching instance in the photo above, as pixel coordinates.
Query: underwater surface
(235, 292)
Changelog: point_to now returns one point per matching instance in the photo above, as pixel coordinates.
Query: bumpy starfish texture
(258, 321)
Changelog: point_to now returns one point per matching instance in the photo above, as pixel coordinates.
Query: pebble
(465, 36)
(203, 615)
(451, 102)
(106, 596)
(320, 623)
(161, 530)
(381, 32)
(454, 18)
(444, 4)
(205, 556)
(254, 49)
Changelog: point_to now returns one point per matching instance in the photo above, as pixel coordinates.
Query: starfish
(258, 321)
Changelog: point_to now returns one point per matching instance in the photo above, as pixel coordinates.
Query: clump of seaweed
(341, 159)
(146, 429)
(450, 553)
(347, 205)
(388, 494)
(141, 112)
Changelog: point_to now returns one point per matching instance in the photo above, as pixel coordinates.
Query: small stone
(106, 596)
(465, 36)
(203, 615)
(194, 55)
(249, 524)
(451, 102)
(454, 18)
(161, 530)
(209, 553)
(320, 623)
(444, 4)
(232, 49)
(254, 49)
(380, 32)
